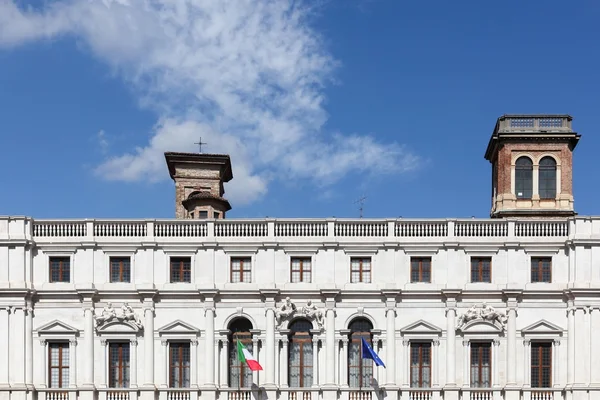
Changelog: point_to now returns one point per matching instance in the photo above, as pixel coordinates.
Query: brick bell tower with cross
(532, 166)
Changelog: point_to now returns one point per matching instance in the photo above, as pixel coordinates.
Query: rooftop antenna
(200, 143)
(361, 203)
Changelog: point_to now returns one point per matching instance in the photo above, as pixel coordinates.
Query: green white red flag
(247, 357)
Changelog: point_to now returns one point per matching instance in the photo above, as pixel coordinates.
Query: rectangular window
(181, 269)
(203, 214)
(420, 269)
(60, 269)
(58, 365)
(481, 367)
(541, 365)
(120, 269)
(118, 368)
(179, 365)
(541, 269)
(420, 365)
(241, 270)
(481, 269)
(360, 270)
(300, 270)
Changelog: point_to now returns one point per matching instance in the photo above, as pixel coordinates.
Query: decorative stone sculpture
(127, 314)
(312, 312)
(285, 311)
(108, 313)
(484, 312)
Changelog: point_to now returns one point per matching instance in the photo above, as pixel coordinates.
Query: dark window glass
(120, 269)
(481, 367)
(240, 376)
(541, 365)
(481, 269)
(420, 269)
(60, 269)
(541, 269)
(179, 361)
(300, 355)
(118, 369)
(58, 365)
(202, 214)
(524, 178)
(547, 178)
(360, 370)
(181, 269)
(420, 365)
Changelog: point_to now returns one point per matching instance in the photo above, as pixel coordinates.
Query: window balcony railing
(57, 394)
(420, 394)
(540, 394)
(243, 394)
(300, 395)
(360, 395)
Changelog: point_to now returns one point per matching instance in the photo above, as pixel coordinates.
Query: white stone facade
(450, 313)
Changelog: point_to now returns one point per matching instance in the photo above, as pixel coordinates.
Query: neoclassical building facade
(478, 309)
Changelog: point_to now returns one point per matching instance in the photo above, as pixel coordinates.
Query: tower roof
(532, 127)
(221, 160)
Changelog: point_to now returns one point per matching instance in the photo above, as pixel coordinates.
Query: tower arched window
(300, 356)
(547, 179)
(240, 376)
(360, 370)
(524, 178)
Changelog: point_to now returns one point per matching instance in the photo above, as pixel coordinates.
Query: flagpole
(360, 378)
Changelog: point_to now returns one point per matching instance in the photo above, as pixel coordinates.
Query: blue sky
(318, 103)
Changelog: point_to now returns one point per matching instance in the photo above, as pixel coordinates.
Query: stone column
(224, 361)
(105, 362)
(556, 362)
(406, 362)
(284, 364)
(344, 362)
(4, 346)
(149, 346)
(72, 363)
(88, 346)
(527, 361)
(29, 346)
(133, 362)
(194, 363)
(315, 361)
(450, 346)
(256, 355)
(570, 345)
(17, 347)
(495, 366)
(582, 347)
(330, 346)
(270, 338)
(435, 363)
(390, 336)
(511, 344)
(209, 342)
(466, 363)
(42, 363)
(165, 363)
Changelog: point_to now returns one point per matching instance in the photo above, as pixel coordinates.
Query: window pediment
(57, 327)
(421, 327)
(118, 327)
(481, 326)
(542, 327)
(178, 327)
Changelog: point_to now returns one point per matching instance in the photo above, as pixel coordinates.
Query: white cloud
(102, 141)
(246, 75)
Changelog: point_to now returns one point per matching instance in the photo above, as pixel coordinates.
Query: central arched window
(240, 376)
(300, 357)
(360, 370)
(547, 179)
(524, 178)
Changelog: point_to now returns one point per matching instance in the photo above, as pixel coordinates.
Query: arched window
(300, 357)
(524, 178)
(240, 376)
(360, 370)
(547, 179)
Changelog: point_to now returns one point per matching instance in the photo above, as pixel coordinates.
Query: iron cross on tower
(200, 143)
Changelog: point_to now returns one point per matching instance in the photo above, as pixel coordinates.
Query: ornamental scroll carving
(126, 315)
(483, 312)
(288, 310)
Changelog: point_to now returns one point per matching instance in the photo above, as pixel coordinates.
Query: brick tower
(532, 166)
(199, 182)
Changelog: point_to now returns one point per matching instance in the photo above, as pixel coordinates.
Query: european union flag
(368, 352)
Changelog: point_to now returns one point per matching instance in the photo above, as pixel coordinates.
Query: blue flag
(368, 352)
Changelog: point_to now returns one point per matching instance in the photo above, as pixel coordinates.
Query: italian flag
(247, 357)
